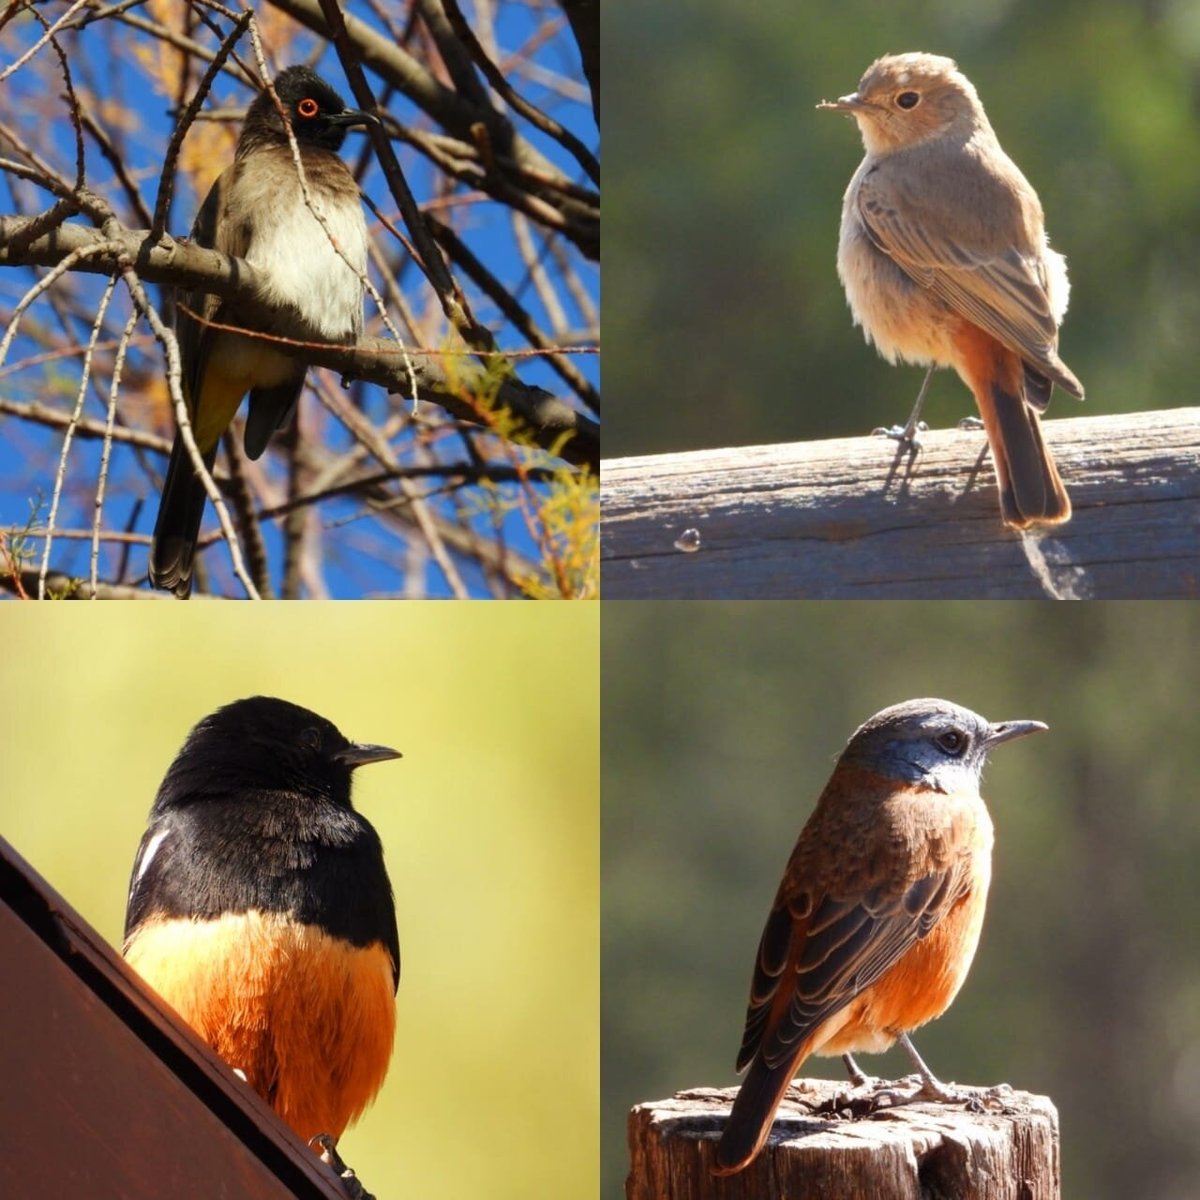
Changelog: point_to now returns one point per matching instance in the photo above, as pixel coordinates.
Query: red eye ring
(308, 108)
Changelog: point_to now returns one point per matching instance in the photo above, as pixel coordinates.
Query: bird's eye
(308, 108)
(310, 738)
(953, 742)
(908, 99)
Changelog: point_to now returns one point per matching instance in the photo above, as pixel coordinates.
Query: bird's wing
(208, 230)
(393, 945)
(159, 846)
(818, 952)
(981, 252)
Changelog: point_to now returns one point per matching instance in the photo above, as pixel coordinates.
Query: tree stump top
(928, 1151)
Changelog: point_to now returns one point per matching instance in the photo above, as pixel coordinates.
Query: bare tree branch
(513, 156)
(552, 425)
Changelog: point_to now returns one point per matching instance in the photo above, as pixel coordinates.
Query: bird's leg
(859, 1100)
(858, 1076)
(326, 1150)
(910, 433)
(931, 1087)
(977, 1099)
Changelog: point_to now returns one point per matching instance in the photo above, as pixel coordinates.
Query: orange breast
(308, 1018)
(918, 988)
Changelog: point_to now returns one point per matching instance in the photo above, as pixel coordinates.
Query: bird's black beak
(358, 755)
(351, 118)
(1004, 731)
(847, 104)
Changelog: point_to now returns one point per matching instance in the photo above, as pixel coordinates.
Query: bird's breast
(307, 1017)
(902, 319)
(920, 987)
(307, 266)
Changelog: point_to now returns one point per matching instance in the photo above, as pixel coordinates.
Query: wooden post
(1009, 1151)
(849, 519)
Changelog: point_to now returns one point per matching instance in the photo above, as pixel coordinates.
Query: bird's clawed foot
(876, 1095)
(870, 1095)
(970, 423)
(975, 1099)
(860, 1100)
(908, 436)
(326, 1149)
(858, 1076)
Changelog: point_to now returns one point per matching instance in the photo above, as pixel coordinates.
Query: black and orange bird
(879, 913)
(310, 272)
(260, 910)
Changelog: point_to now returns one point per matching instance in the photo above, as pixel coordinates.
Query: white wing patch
(146, 856)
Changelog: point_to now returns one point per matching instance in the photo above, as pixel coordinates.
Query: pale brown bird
(879, 913)
(945, 262)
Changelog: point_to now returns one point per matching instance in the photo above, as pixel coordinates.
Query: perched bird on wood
(944, 258)
(256, 211)
(876, 921)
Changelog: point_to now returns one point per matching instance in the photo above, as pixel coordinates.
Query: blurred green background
(724, 320)
(721, 725)
(489, 825)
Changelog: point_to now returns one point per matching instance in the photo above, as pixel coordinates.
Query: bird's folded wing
(980, 275)
(195, 338)
(817, 954)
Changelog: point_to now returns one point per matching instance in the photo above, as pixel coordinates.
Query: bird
(876, 922)
(256, 211)
(945, 262)
(261, 911)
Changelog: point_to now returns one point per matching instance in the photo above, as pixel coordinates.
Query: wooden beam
(851, 519)
(109, 1094)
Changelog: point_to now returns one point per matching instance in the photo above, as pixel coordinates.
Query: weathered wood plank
(847, 518)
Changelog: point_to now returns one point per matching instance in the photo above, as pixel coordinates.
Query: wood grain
(106, 1093)
(850, 518)
(910, 1152)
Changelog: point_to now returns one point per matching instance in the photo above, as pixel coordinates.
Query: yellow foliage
(569, 517)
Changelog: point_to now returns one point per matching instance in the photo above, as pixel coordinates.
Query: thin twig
(40, 414)
(170, 346)
(453, 302)
(109, 424)
(47, 36)
(47, 281)
(536, 271)
(586, 159)
(166, 178)
(515, 312)
(61, 473)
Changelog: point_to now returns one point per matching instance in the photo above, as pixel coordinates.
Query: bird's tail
(753, 1113)
(1031, 492)
(177, 528)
